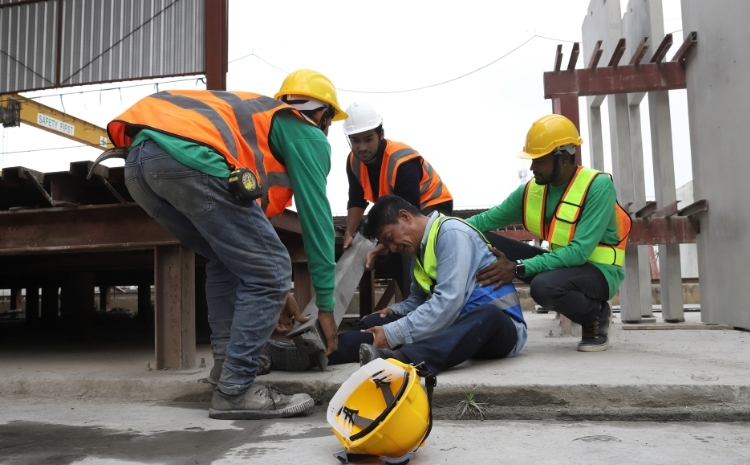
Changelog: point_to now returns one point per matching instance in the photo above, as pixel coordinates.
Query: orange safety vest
(562, 228)
(234, 124)
(432, 191)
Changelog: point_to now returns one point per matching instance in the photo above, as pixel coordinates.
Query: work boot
(215, 373)
(368, 353)
(258, 402)
(596, 334)
(285, 356)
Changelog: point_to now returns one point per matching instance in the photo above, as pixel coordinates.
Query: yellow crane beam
(55, 121)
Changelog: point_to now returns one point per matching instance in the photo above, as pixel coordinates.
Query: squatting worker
(575, 210)
(183, 147)
(376, 167)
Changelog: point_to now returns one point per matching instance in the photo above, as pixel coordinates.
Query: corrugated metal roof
(27, 46)
(102, 41)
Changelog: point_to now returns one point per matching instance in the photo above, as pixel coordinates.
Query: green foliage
(471, 406)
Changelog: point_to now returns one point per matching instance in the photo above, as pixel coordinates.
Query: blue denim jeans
(249, 271)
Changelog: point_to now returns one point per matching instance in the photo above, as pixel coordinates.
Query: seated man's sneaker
(215, 374)
(368, 353)
(596, 334)
(257, 403)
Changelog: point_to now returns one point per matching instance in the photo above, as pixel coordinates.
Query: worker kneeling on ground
(447, 318)
(210, 166)
(575, 210)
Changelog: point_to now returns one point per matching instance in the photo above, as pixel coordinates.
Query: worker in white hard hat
(377, 166)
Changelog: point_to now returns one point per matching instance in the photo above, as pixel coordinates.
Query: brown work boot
(596, 334)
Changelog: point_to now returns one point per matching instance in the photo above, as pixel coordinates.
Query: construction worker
(210, 166)
(575, 210)
(447, 318)
(377, 166)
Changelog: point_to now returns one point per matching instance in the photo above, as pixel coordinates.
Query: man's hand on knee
(378, 336)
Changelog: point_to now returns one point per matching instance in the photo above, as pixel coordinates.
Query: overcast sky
(469, 129)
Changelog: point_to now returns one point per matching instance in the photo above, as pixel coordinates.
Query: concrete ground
(676, 375)
(96, 432)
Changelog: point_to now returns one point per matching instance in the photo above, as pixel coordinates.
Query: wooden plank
(668, 326)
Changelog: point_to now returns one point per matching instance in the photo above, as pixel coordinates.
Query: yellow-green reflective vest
(562, 228)
(425, 272)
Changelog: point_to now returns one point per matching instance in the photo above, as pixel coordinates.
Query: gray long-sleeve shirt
(461, 253)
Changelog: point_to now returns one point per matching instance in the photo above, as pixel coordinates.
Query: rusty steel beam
(174, 307)
(614, 62)
(646, 77)
(86, 228)
(97, 228)
(558, 57)
(694, 208)
(574, 56)
(596, 55)
(687, 44)
(662, 49)
(216, 44)
(639, 52)
(653, 231)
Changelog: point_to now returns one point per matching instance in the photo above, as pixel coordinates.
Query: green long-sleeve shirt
(597, 224)
(305, 151)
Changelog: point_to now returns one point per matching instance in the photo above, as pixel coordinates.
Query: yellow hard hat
(382, 410)
(309, 83)
(548, 133)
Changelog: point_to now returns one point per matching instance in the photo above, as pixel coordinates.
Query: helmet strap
(556, 166)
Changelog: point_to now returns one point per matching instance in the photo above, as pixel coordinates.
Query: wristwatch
(520, 269)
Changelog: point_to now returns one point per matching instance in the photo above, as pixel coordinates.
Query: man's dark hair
(379, 131)
(385, 212)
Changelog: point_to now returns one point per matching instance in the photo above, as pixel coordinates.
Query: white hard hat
(362, 117)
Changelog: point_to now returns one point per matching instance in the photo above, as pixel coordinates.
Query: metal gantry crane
(16, 109)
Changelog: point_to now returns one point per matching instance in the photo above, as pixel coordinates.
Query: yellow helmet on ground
(382, 411)
(309, 83)
(548, 133)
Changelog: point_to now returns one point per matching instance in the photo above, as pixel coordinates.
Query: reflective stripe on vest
(234, 124)
(425, 273)
(561, 229)
(432, 191)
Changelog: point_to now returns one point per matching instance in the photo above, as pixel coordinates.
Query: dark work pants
(399, 265)
(578, 292)
(485, 332)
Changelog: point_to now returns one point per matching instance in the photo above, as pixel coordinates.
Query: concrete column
(622, 163)
(639, 186)
(596, 141)
(670, 266)
(105, 298)
(175, 307)
(718, 93)
(646, 19)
